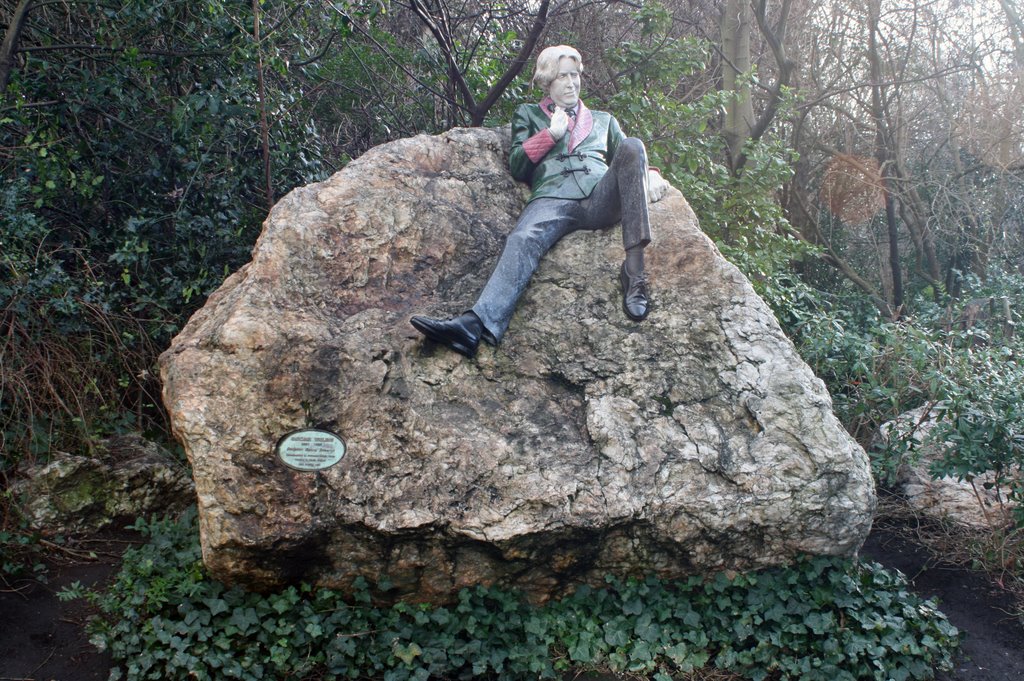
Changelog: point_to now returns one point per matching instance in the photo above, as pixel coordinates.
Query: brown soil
(44, 639)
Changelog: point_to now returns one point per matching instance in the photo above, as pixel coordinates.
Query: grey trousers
(620, 195)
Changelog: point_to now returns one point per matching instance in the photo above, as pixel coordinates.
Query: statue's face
(564, 90)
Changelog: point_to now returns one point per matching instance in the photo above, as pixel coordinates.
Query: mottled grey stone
(124, 478)
(585, 444)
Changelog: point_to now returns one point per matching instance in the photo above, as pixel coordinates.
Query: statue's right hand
(559, 123)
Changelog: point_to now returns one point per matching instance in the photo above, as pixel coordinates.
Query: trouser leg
(622, 194)
(542, 224)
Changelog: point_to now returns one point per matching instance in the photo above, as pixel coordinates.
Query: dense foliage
(961, 362)
(822, 618)
(133, 187)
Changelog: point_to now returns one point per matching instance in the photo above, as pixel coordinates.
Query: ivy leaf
(244, 619)
(216, 605)
(615, 637)
(406, 653)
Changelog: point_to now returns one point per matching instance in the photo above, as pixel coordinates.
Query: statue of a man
(585, 174)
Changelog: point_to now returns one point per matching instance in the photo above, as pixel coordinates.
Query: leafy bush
(132, 184)
(71, 364)
(21, 555)
(966, 367)
(875, 369)
(981, 415)
(822, 618)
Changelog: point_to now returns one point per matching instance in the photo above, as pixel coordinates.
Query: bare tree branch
(775, 36)
(440, 28)
(107, 48)
(319, 55)
(539, 24)
(390, 57)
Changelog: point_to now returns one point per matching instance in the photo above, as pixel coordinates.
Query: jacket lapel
(580, 129)
(584, 124)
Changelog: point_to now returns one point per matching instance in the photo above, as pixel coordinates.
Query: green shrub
(22, 554)
(132, 184)
(876, 369)
(821, 618)
(981, 415)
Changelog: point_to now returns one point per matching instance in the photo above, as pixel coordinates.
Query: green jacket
(573, 165)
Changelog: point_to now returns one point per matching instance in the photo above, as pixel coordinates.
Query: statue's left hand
(657, 186)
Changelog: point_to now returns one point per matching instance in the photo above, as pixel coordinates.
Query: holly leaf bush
(967, 374)
(981, 423)
(819, 618)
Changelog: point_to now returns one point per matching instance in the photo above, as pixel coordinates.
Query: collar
(583, 125)
(547, 105)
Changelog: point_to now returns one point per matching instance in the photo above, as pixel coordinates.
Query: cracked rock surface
(586, 444)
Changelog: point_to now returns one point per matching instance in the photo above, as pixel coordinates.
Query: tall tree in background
(736, 74)
(887, 96)
(883, 144)
(741, 124)
(1015, 26)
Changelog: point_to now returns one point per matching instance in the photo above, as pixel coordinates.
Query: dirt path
(43, 639)
(993, 648)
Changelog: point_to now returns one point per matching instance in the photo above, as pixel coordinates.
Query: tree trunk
(10, 45)
(739, 110)
(1016, 27)
(883, 156)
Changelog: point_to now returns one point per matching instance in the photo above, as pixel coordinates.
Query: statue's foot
(635, 300)
(461, 334)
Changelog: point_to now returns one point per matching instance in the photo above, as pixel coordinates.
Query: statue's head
(558, 74)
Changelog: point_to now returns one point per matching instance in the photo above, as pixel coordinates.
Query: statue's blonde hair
(547, 64)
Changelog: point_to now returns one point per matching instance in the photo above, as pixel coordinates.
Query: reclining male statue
(585, 174)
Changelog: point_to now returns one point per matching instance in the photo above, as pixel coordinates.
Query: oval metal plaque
(310, 449)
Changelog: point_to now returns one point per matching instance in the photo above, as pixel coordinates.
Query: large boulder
(586, 444)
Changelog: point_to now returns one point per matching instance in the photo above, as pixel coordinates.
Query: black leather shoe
(635, 301)
(461, 334)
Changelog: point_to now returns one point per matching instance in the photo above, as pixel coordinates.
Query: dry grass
(58, 390)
